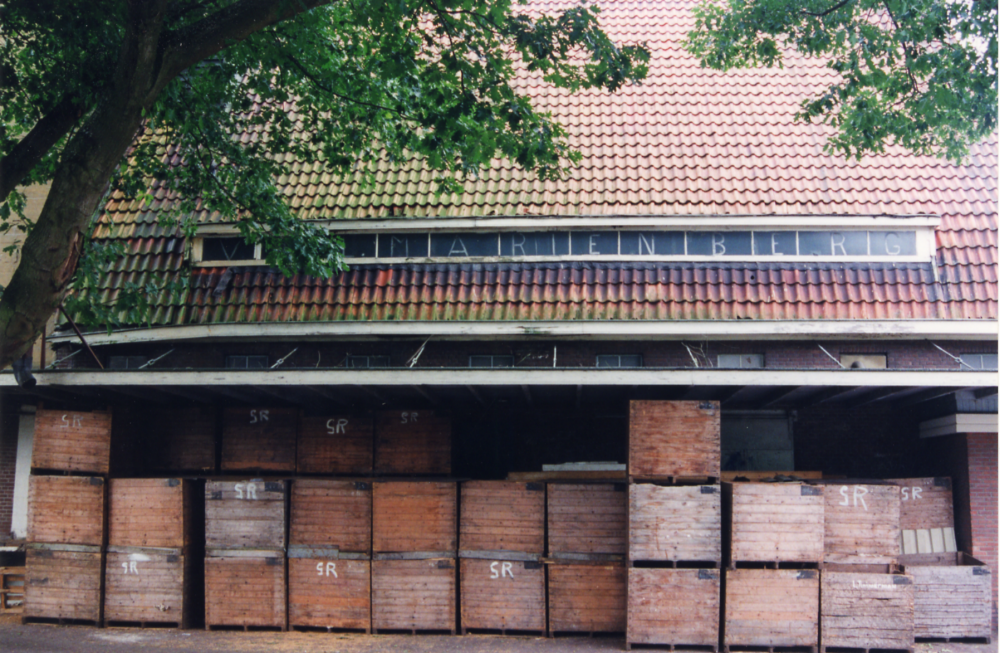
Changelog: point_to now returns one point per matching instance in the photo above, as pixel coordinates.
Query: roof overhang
(960, 423)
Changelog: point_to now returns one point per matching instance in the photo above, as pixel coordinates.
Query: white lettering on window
(837, 241)
(593, 244)
(458, 248)
(718, 244)
(774, 246)
(650, 245)
(517, 245)
(892, 247)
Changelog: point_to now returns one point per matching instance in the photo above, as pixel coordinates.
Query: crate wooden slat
(329, 593)
(771, 607)
(674, 439)
(179, 439)
(66, 509)
(588, 597)
(502, 595)
(952, 601)
(677, 523)
(679, 607)
(150, 586)
(331, 513)
(259, 439)
(412, 442)
(859, 610)
(412, 595)
(587, 518)
(245, 591)
(502, 516)
(414, 516)
(72, 441)
(335, 444)
(245, 514)
(861, 523)
(926, 518)
(63, 582)
(12, 582)
(773, 522)
(152, 512)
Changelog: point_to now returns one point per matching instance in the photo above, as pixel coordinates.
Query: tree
(113, 93)
(921, 74)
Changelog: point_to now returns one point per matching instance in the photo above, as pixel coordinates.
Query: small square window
(482, 360)
(741, 361)
(619, 360)
(979, 361)
(241, 362)
(863, 361)
(363, 362)
(126, 362)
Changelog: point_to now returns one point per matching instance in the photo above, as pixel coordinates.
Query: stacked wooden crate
(329, 555)
(245, 554)
(501, 547)
(412, 442)
(773, 544)
(334, 444)
(179, 439)
(154, 553)
(66, 516)
(675, 529)
(926, 521)
(414, 543)
(587, 544)
(259, 440)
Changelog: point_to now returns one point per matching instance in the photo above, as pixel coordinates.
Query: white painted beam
(960, 423)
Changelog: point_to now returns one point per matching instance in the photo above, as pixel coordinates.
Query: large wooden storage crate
(328, 589)
(72, 441)
(413, 595)
(245, 590)
(502, 516)
(259, 439)
(66, 510)
(63, 581)
(588, 597)
(179, 439)
(335, 444)
(415, 516)
(151, 586)
(771, 607)
(674, 439)
(952, 601)
(587, 518)
(153, 512)
(861, 524)
(773, 522)
(412, 442)
(926, 520)
(331, 514)
(677, 607)
(866, 611)
(676, 523)
(247, 514)
(502, 595)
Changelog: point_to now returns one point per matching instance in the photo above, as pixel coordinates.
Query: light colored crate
(588, 597)
(677, 607)
(866, 611)
(774, 522)
(674, 439)
(143, 585)
(926, 519)
(587, 518)
(502, 516)
(63, 582)
(66, 510)
(861, 524)
(772, 607)
(502, 595)
(245, 514)
(676, 523)
(72, 441)
(952, 601)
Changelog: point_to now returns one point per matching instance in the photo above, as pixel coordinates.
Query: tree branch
(326, 89)
(906, 50)
(828, 11)
(16, 165)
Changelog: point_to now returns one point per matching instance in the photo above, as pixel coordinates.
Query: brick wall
(982, 449)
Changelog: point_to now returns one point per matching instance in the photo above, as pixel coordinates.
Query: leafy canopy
(917, 73)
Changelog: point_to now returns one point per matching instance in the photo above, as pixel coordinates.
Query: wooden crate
(677, 523)
(328, 589)
(771, 607)
(414, 516)
(952, 601)
(152, 512)
(179, 439)
(63, 582)
(412, 442)
(72, 441)
(248, 514)
(502, 595)
(335, 444)
(861, 524)
(588, 597)
(587, 518)
(674, 439)
(677, 607)
(12, 590)
(66, 510)
(150, 586)
(773, 522)
(246, 591)
(926, 518)
(860, 610)
(333, 514)
(502, 516)
(259, 439)
(413, 595)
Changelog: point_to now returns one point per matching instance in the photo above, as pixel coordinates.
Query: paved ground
(38, 638)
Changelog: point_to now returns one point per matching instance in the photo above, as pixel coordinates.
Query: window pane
(619, 360)
(227, 249)
(741, 361)
(483, 360)
(241, 362)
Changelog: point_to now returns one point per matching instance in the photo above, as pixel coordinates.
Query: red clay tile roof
(687, 142)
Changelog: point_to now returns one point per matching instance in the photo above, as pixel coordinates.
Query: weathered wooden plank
(587, 518)
(329, 593)
(335, 444)
(412, 442)
(502, 595)
(153, 512)
(331, 513)
(674, 438)
(414, 516)
(952, 601)
(149, 586)
(414, 595)
(72, 441)
(245, 591)
(588, 598)
(771, 607)
(861, 523)
(774, 522)
(673, 606)
(66, 509)
(259, 439)
(675, 523)
(245, 514)
(63, 584)
(866, 610)
(502, 516)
